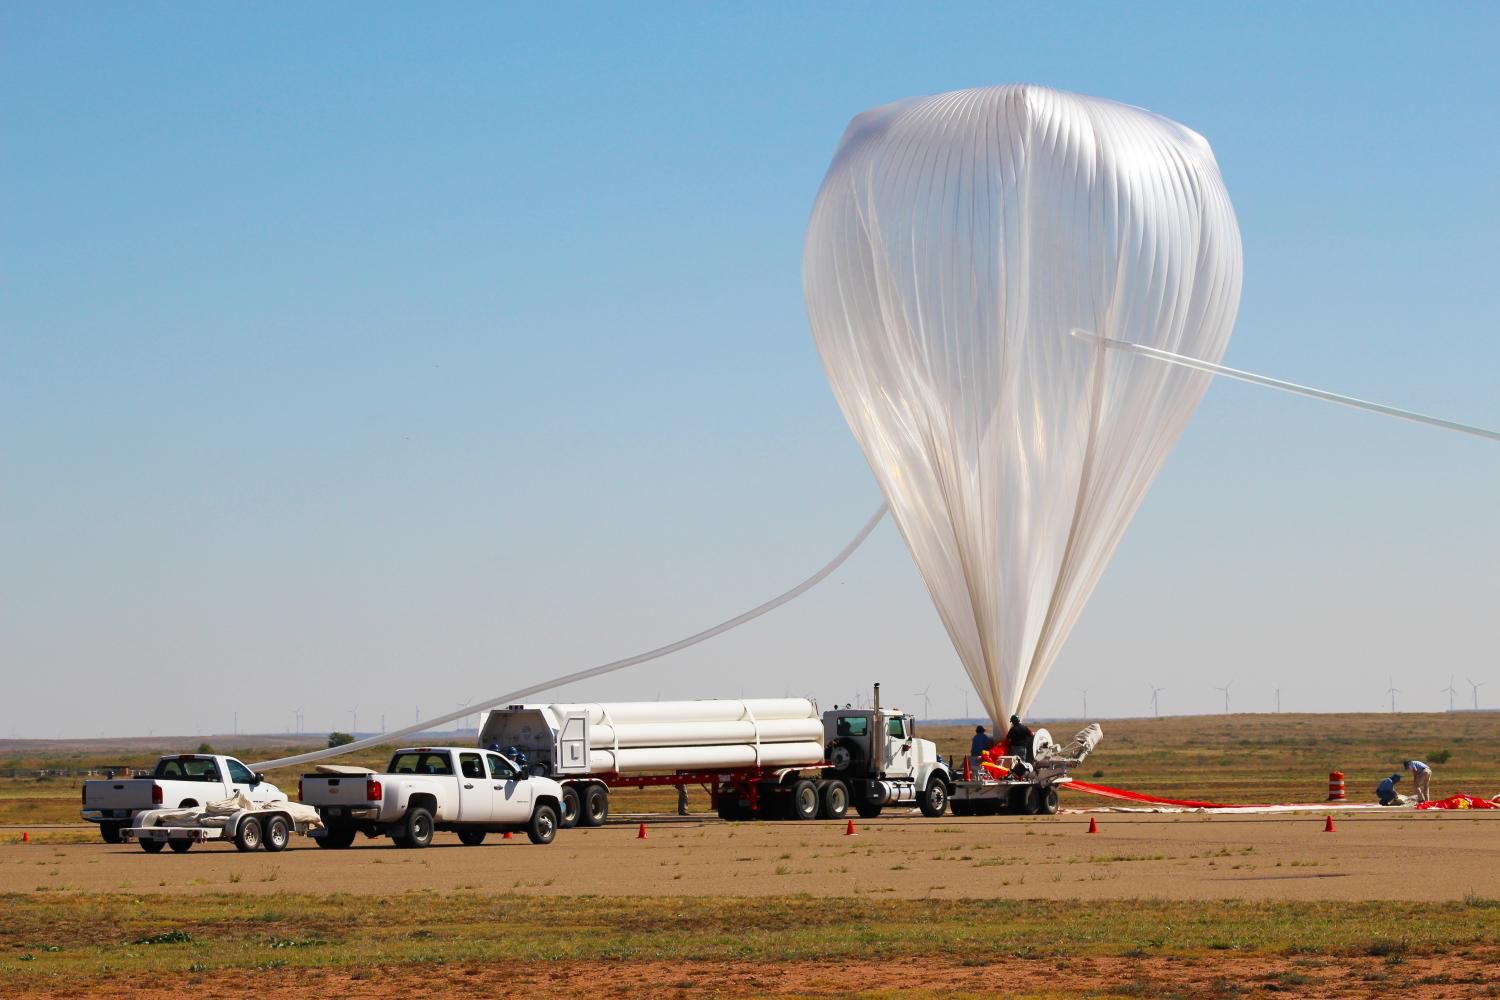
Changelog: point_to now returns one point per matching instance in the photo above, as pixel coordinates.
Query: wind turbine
(1450, 692)
(1476, 685)
(1155, 705)
(1085, 693)
(1225, 689)
(926, 702)
(966, 701)
(1278, 700)
(354, 721)
(1393, 690)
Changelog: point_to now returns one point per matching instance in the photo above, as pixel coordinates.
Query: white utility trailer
(249, 825)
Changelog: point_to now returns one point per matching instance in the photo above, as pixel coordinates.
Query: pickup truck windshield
(186, 769)
(421, 762)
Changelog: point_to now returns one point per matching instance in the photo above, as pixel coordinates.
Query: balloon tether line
(1198, 364)
(604, 668)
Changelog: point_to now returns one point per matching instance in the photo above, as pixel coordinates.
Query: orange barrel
(1336, 786)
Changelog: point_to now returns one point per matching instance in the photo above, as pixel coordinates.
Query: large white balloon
(957, 244)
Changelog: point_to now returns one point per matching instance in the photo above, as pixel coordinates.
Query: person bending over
(1421, 779)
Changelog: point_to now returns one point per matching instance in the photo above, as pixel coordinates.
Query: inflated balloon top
(968, 258)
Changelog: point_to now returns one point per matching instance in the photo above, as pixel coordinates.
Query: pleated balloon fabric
(956, 245)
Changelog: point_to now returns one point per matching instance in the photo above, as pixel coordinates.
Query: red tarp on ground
(1120, 793)
(1459, 801)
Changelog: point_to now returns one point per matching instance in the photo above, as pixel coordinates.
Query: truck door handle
(468, 786)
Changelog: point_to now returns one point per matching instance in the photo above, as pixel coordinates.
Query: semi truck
(763, 759)
(427, 789)
(179, 781)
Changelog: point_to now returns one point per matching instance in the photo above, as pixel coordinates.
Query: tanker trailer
(769, 758)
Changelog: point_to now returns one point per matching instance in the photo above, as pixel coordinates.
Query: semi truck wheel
(935, 798)
(179, 845)
(961, 808)
(595, 805)
(111, 832)
(835, 804)
(416, 831)
(804, 800)
(543, 826)
(248, 836)
(571, 807)
(152, 846)
(729, 806)
(471, 838)
(278, 834)
(867, 810)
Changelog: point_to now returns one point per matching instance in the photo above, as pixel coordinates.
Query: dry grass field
(1393, 903)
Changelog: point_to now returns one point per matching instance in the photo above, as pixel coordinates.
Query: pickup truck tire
(336, 837)
(804, 804)
(249, 836)
(179, 845)
(934, 798)
(543, 826)
(278, 833)
(595, 806)
(151, 846)
(416, 829)
(111, 832)
(572, 807)
(471, 838)
(835, 801)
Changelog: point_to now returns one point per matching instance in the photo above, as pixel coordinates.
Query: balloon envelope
(956, 245)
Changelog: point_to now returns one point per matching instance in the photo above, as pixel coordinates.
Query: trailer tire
(179, 845)
(595, 806)
(934, 798)
(729, 806)
(471, 838)
(804, 800)
(1049, 801)
(111, 832)
(151, 845)
(336, 837)
(543, 826)
(572, 807)
(835, 801)
(278, 833)
(1033, 801)
(249, 836)
(416, 829)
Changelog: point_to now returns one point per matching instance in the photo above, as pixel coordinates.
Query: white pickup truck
(179, 781)
(426, 789)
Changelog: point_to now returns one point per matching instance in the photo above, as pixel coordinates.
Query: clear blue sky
(382, 358)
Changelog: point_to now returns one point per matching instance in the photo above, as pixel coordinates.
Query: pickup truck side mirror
(259, 777)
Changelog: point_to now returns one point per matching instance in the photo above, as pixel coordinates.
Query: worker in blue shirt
(980, 743)
(1386, 790)
(1421, 779)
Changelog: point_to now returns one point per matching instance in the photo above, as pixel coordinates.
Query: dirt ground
(1406, 856)
(1468, 976)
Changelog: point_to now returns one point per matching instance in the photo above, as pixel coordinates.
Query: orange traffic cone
(1328, 825)
(1093, 826)
(641, 833)
(849, 830)
(968, 771)
(25, 838)
(508, 836)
